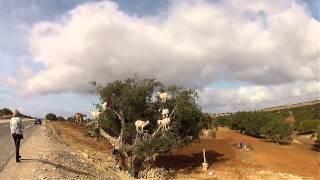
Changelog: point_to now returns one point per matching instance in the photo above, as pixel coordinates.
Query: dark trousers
(17, 139)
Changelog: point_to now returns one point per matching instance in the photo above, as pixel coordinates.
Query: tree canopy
(131, 100)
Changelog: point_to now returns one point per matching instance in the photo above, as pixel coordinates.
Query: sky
(240, 55)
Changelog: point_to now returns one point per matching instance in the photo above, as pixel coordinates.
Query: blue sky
(18, 17)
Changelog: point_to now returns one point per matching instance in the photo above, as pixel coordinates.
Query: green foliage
(51, 116)
(255, 123)
(5, 111)
(223, 121)
(310, 112)
(71, 119)
(318, 133)
(110, 123)
(60, 118)
(207, 122)
(308, 126)
(162, 144)
(277, 131)
(137, 100)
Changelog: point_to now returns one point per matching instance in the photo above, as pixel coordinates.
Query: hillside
(290, 106)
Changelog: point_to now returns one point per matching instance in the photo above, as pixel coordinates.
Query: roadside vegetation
(272, 124)
(7, 113)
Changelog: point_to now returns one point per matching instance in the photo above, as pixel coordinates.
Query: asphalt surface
(6, 140)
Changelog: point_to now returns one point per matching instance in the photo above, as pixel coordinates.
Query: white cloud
(257, 97)
(266, 43)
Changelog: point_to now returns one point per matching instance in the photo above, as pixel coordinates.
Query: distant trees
(272, 124)
(258, 124)
(308, 126)
(277, 131)
(60, 118)
(5, 111)
(51, 116)
(306, 113)
(318, 134)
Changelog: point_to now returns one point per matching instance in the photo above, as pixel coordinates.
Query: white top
(16, 126)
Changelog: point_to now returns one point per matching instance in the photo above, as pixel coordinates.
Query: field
(265, 161)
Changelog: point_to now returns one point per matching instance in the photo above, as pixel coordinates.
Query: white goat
(163, 96)
(164, 123)
(165, 113)
(104, 106)
(140, 125)
(95, 114)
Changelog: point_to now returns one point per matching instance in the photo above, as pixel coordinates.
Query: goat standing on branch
(95, 114)
(163, 96)
(164, 123)
(165, 113)
(140, 125)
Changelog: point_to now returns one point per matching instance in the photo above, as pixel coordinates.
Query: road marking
(5, 125)
(28, 126)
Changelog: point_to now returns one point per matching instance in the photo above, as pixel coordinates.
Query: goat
(207, 133)
(164, 123)
(79, 117)
(104, 106)
(163, 96)
(140, 124)
(95, 114)
(165, 113)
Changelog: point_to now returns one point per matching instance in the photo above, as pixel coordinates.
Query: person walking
(16, 128)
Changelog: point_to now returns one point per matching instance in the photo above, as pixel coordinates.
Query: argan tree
(131, 100)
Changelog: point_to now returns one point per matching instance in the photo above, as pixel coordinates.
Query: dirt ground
(44, 157)
(265, 161)
(77, 136)
(97, 151)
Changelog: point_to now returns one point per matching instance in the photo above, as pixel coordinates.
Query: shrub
(308, 126)
(277, 131)
(306, 112)
(60, 118)
(71, 119)
(51, 116)
(6, 111)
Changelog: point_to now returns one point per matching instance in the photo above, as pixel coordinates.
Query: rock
(85, 155)
(156, 173)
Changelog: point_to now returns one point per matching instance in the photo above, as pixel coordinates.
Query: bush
(60, 118)
(318, 133)
(5, 111)
(306, 113)
(51, 116)
(277, 131)
(71, 119)
(308, 126)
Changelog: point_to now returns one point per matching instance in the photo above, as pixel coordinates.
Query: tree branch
(172, 112)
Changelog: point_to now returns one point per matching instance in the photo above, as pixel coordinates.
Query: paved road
(6, 141)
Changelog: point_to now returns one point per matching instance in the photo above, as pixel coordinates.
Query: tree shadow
(316, 147)
(58, 166)
(186, 163)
